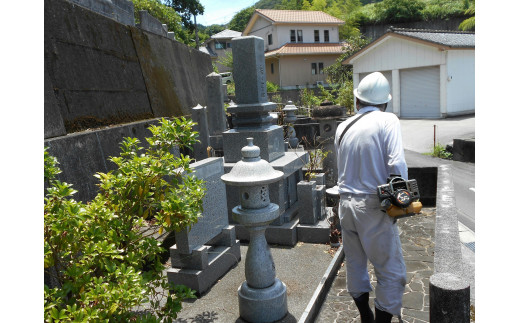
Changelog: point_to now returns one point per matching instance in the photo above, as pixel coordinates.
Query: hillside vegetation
(357, 12)
(354, 12)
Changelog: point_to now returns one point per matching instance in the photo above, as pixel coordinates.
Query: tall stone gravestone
(206, 252)
(250, 118)
(251, 113)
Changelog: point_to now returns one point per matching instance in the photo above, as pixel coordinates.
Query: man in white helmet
(368, 152)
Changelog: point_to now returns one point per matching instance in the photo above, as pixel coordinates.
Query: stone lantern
(262, 297)
(289, 119)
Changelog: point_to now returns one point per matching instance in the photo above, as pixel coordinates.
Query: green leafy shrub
(346, 95)
(308, 100)
(316, 158)
(103, 257)
(231, 88)
(326, 94)
(399, 10)
(439, 151)
(338, 73)
(271, 87)
(443, 9)
(226, 60)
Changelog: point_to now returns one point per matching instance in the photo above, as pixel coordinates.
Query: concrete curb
(313, 307)
(449, 291)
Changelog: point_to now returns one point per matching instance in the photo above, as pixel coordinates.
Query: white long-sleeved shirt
(370, 151)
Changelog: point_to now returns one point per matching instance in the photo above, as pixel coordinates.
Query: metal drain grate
(470, 245)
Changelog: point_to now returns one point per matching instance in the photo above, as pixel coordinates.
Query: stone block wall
(83, 154)
(151, 24)
(120, 10)
(100, 71)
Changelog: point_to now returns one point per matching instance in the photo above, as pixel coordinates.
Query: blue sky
(221, 11)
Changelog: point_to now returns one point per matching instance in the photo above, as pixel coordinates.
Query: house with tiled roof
(298, 45)
(218, 45)
(431, 72)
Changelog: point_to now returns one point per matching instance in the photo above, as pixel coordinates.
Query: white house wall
(460, 85)
(295, 70)
(282, 33)
(396, 53)
(262, 28)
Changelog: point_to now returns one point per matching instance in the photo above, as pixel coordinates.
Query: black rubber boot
(382, 316)
(364, 309)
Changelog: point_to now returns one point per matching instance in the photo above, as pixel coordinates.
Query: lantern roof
(251, 170)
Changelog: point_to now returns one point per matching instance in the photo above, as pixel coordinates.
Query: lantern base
(263, 304)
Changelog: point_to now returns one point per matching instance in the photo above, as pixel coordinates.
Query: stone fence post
(449, 292)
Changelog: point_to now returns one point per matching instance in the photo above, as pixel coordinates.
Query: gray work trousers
(371, 234)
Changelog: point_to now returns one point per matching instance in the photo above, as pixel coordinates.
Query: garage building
(431, 72)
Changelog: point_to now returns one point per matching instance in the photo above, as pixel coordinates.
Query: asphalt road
(418, 137)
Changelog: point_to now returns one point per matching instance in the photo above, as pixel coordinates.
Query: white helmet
(374, 89)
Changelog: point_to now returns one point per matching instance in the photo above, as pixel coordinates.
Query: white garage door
(420, 92)
(388, 75)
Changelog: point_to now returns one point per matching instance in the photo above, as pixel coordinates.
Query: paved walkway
(302, 267)
(417, 239)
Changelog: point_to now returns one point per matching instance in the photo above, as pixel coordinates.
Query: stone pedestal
(268, 138)
(201, 268)
(312, 197)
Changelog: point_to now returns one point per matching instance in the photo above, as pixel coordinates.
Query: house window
(316, 36)
(270, 39)
(300, 36)
(316, 68)
(293, 36)
(220, 45)
(326, 35)
(228, 45)
(272, 68)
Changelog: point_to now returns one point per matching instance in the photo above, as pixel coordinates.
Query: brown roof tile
(298, 16)
(306, 49)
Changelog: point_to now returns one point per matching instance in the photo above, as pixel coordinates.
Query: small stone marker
(215, 110)
(198, 115)
(207, 251)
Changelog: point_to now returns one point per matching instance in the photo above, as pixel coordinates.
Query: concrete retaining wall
(108, 73)
(81, 155)
(119, 10)
(464, 150)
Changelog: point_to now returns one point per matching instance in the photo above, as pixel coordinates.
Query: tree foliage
(186, 9)
(468, 24)
(227, 60)
(164, 14)
(102, 257)
(240, 20)
(338, 73)
(399, 10)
